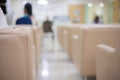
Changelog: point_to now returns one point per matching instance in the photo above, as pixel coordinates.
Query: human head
(47, 18)
(28, 9)
(96, 19)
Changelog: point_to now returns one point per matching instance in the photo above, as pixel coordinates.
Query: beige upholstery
(108, 65)
(77, 47)
(64, 38)
(86, 46)
(37, 41)
(60, 36)
(17, 60)
(83, 41)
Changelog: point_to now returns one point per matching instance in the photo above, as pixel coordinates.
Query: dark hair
(28, 8)
(96, 20)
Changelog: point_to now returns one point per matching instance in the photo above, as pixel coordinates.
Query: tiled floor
(55, 63)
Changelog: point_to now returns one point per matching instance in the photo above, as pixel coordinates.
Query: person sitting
(25, 20)
(96, 20)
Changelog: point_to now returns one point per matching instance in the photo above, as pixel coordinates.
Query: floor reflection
(55, 63)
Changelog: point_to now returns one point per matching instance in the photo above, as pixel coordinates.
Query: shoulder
(24, 20)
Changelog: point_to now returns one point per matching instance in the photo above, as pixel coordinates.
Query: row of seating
(80, 42)
(20, 52)
(107, 63)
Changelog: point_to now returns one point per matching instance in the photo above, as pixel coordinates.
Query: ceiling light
(101, 5)
(24, 2)
(42, 2)
(90, 5)
(45, 73)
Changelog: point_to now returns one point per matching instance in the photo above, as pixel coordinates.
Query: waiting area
(59, 40)
(19, 52)
(92, 48)
(93, 51)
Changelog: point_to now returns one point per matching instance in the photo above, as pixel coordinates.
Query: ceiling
(67, 1)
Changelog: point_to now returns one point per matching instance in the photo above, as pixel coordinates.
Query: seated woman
(26, 20)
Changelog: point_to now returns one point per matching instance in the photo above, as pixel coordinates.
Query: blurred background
(64, 11)
(58, 42)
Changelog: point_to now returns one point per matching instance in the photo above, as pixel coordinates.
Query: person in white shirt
(3, 22)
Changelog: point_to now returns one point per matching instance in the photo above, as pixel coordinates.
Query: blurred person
(47, 27)
(3, 22)
(96, 20)
(26, 19)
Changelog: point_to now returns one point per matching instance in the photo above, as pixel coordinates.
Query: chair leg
(84, 78)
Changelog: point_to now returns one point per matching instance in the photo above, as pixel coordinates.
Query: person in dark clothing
(96, 19)
(26, 20)
(47, 26)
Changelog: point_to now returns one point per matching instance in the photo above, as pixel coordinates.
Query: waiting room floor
(55, 63)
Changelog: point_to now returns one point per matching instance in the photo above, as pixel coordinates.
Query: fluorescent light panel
(42, 2)
(24, 2)
(101, 4)
(90, 5)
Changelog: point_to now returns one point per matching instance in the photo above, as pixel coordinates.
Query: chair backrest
(107, 63)
(17, 55)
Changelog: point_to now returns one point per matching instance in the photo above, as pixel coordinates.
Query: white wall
(51, 10)
(40, 12)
